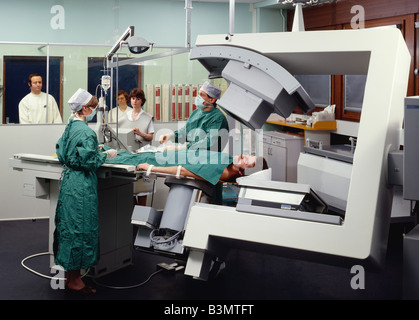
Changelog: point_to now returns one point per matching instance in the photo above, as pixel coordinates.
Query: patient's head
(245, 164)
(244, 161)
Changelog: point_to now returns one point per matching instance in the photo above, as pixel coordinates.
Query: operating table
(156, 232)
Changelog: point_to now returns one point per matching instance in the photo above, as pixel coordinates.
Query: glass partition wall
(169, 79)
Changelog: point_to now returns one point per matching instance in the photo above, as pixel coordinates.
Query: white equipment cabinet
(281, 152)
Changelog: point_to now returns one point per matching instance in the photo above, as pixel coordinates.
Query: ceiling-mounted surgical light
(135, 44)
(138, 45)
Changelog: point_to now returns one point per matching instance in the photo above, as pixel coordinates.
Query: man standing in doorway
(33, 107)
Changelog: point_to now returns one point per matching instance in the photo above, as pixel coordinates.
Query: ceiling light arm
(129, 32)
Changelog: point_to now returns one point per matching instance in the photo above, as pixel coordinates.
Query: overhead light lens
(138, 44)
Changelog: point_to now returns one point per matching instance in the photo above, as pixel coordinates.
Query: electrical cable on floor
(174, 267)
(128, 287)
(94, 280)
(40, 274)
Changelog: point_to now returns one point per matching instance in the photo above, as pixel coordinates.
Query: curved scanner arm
(258, 86)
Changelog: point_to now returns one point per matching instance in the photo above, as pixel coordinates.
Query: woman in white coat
(138, 119)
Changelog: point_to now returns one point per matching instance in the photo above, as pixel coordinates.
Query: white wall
(103, 21)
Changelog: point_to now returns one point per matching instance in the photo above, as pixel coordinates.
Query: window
(354, 92)
(318, 87)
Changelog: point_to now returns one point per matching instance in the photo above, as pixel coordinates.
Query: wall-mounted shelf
(319, 125)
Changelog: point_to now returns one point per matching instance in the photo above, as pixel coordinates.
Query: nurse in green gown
(76, 235)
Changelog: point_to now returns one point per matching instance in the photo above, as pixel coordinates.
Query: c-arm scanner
(273, 216)
(257, 68)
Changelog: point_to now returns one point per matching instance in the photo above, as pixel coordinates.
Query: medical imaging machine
(291, 218)
(271, 216)
(257, 68)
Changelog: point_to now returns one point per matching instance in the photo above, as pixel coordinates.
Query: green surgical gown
(76, 240)
(209, 165)
(204, 130)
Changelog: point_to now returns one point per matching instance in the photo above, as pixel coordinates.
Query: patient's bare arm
(169, 170)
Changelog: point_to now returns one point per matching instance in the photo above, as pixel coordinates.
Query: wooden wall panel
(339, 12)
(337, 15)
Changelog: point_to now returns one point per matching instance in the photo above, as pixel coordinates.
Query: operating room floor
(248, 275)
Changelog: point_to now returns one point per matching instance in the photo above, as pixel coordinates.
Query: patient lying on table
(200, 164)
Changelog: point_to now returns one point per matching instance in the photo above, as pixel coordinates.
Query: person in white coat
(142, 124)
(33, 107)
(123, 99)
(138, 120)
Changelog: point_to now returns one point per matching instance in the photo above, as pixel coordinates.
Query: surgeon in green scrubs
(76, 236)
(207, 127)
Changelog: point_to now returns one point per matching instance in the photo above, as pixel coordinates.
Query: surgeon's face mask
(91, 116)
(199, 102)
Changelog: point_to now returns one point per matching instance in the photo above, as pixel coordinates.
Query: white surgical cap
(211, 90)
(79, 99)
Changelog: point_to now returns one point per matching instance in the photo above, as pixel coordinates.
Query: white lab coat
(32, 109)
(112, 117)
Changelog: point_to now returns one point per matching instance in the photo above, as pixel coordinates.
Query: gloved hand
(111, 153)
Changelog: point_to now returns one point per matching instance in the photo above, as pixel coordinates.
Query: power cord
(40, 274)
(161, 267)
(128, 287)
